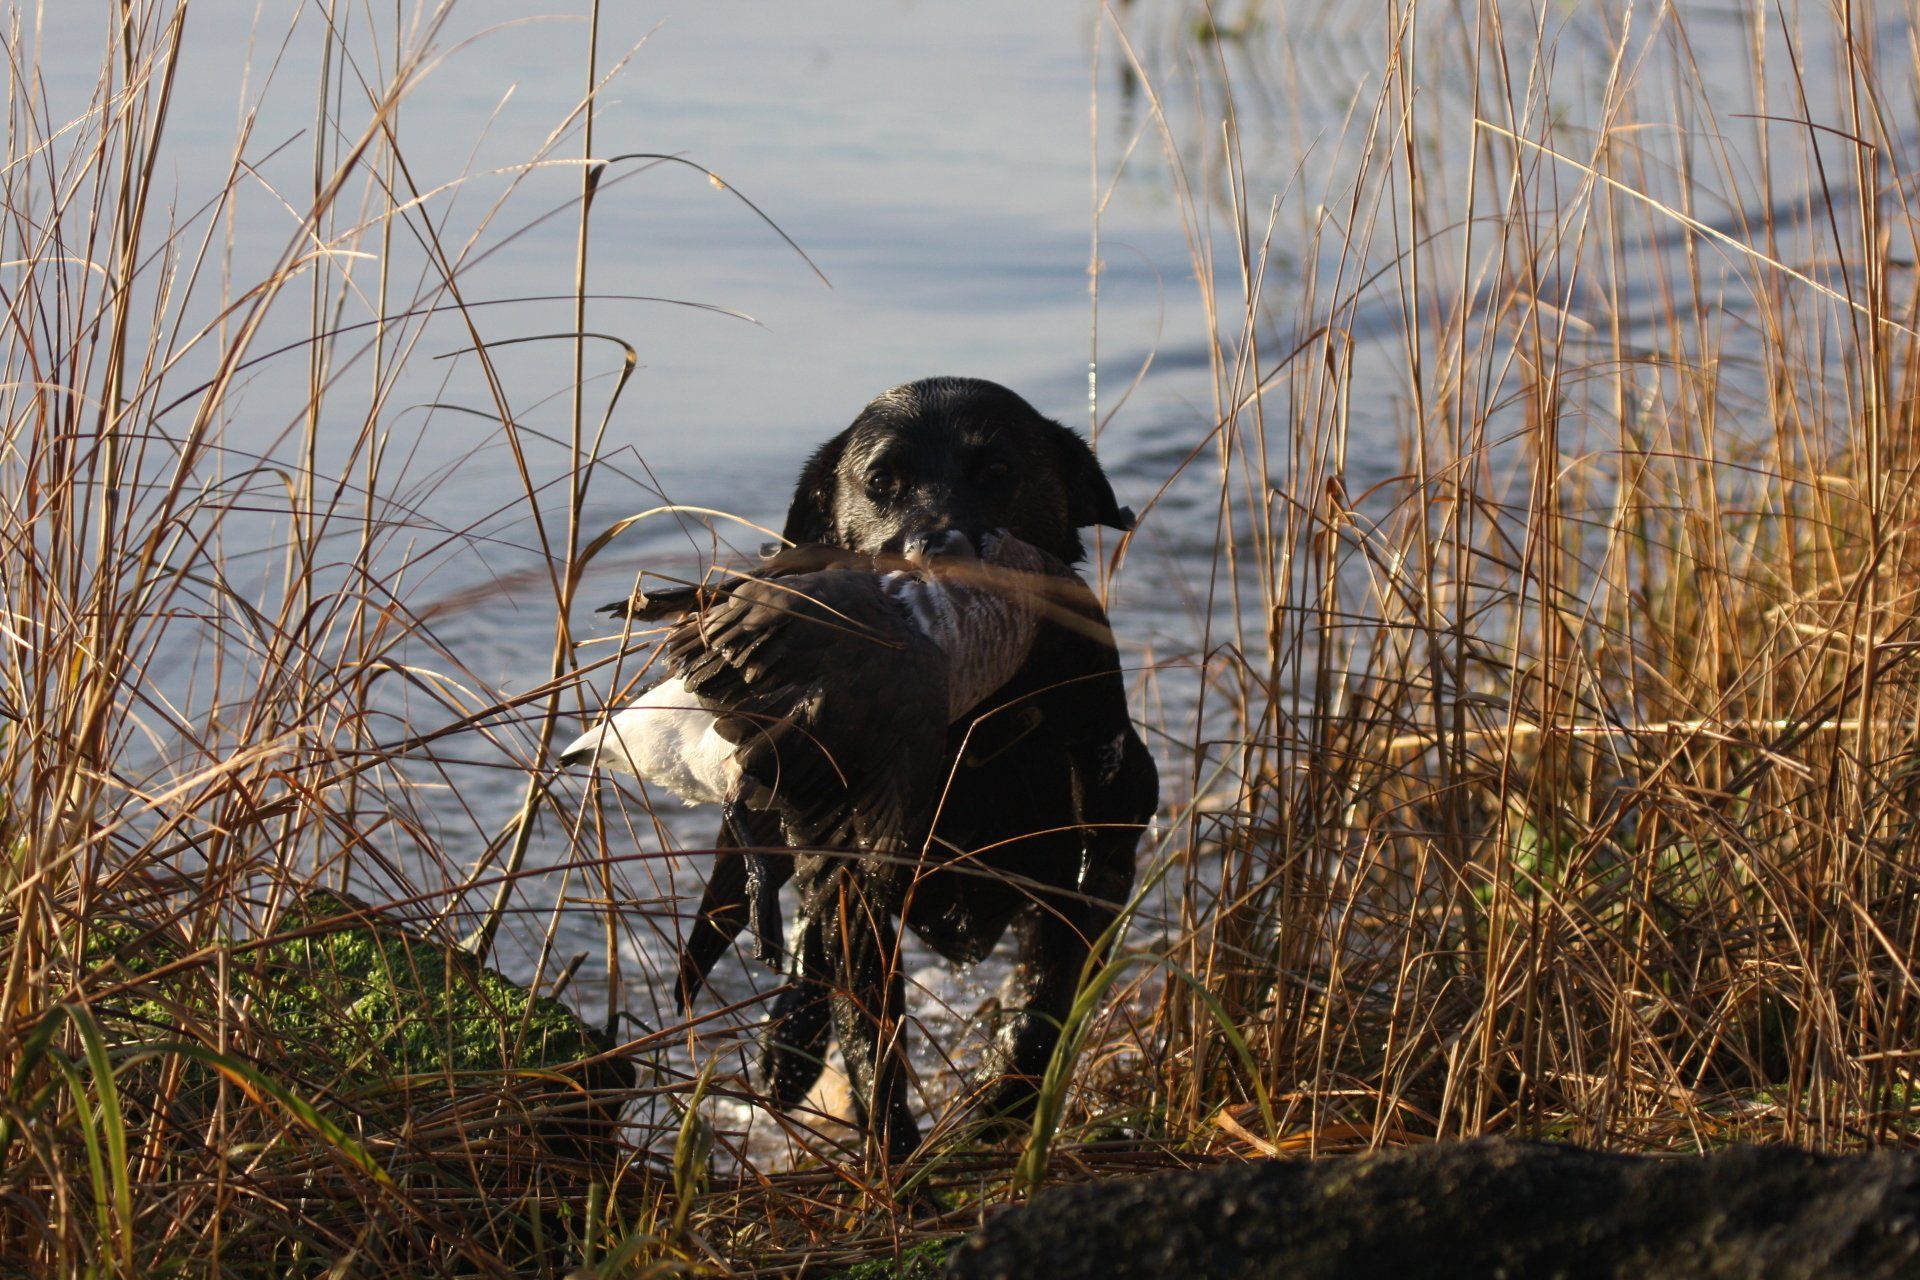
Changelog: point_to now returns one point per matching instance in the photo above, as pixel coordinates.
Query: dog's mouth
(924, 547)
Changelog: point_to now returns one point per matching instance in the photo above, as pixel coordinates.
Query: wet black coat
(1049, 787)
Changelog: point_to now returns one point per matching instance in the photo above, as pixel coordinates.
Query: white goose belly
(668, 738)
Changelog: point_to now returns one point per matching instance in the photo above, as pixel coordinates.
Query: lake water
(940, 165)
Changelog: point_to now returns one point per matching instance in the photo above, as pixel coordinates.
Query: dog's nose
(930, 544)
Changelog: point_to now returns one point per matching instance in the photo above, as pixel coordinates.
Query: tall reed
(1561, 776)
(219, 693)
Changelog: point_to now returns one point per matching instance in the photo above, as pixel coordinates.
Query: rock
(430, 1016)
(385, 1030)
(1488, 1208)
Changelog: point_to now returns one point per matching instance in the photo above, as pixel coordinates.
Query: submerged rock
(1489, 1208)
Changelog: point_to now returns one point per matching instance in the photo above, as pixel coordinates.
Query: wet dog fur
(1049, 789)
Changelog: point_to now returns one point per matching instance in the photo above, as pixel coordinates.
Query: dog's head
(952, 454)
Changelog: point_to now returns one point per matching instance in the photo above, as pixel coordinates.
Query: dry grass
(1555, 781)
(205, 629)
(1567, 781)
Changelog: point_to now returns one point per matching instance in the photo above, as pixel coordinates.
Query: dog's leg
(1052, 952)
(1056, 935)
(726, 904)
(869, 1002)
(793, 1044)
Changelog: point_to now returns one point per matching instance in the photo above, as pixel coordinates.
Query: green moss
(346, 1005)
(922, 1261)
(406, 1004)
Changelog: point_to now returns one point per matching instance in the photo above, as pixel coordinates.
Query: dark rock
(1489, 1208)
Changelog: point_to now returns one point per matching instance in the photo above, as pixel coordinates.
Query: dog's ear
(1090, 497)
(810, 517)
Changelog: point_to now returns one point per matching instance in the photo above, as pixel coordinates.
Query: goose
(819, 689)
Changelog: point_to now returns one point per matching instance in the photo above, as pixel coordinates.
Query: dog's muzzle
(928, 545)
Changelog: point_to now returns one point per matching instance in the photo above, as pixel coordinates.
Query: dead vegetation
(1555, 776)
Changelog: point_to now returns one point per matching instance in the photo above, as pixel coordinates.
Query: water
(936, 164)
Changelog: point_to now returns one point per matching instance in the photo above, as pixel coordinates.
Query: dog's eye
(880, 482)
(998, 469)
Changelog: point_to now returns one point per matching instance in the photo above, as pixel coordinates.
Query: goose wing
(836, 702)
(676, 601)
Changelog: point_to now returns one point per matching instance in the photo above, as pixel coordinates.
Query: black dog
(1048, 791)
